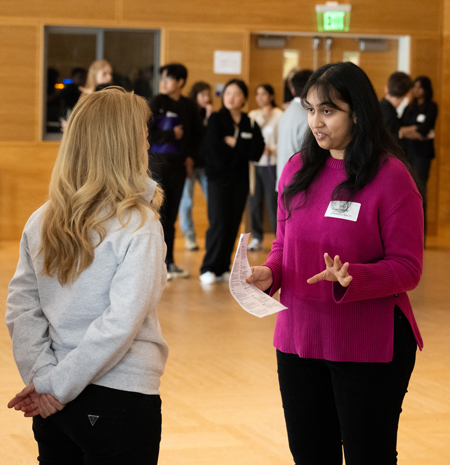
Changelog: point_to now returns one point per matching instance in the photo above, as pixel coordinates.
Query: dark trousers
(226, 203)
(265, 181)
(126, 429)
(173, 184)
(357, 405)
(421, 165)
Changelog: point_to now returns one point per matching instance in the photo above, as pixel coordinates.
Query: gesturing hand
(31, 403)
(334, 271)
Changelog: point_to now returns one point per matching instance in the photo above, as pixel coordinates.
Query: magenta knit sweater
(384, 247)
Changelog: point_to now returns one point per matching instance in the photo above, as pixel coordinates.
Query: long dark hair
(269, 89)
(196, 88)
(425, 83)
(370, 143)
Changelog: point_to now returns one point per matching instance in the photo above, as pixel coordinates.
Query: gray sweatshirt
(104, 328)
(291, 130)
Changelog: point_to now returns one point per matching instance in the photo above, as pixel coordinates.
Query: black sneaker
(173, 272)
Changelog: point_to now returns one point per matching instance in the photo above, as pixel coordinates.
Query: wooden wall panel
(379, 17)
(266, 67)
(25, 171)
(443, 174)
(195, 49)
(19, 77)
(81, 9)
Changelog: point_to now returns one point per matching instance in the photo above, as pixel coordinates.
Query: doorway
(273, 56)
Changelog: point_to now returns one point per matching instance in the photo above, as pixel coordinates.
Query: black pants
(173, 183)
(327, 404)
(226, 203)
(421, 165)
(126, 429)
(265, 181)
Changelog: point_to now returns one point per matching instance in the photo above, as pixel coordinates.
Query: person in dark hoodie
(230, 142)
(174, 135)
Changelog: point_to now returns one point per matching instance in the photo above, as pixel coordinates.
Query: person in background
(82, 305)
(200, 94)
(100, 72)
(346, 344)
(293, 123)
(71, 92)
(417, 132)
(174, 136)
(288, 94)
(265, 170)
(399, 85)
(231, 140)
(99, 76)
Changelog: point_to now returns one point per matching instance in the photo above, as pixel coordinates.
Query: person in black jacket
(230, 142)
(417, 131)
(174, 136)
(398, 86)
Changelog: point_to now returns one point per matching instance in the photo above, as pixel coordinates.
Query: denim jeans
(357, 405)
(187, 199)
(101, 426)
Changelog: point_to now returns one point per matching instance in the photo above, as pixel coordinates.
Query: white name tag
(246, 135)
(421, 118)
(336, 210)
(171, 114)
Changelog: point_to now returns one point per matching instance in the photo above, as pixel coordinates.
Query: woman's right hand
(261, 277)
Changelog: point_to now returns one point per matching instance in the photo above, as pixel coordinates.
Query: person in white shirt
(264, 186)
(293, 123)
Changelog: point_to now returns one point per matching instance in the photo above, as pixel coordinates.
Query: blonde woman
(81, 308)
(100, 72)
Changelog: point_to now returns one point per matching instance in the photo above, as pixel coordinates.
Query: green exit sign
(333, 17)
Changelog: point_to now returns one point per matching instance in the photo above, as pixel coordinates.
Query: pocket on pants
(97, 431)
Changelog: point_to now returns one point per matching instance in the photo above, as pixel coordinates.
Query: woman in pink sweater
(349, 246)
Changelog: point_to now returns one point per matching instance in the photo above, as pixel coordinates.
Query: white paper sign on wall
(227, 62)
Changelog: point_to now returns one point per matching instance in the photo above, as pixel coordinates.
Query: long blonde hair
(94, 68)
(100, 173)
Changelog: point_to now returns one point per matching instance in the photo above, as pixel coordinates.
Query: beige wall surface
(190, 32)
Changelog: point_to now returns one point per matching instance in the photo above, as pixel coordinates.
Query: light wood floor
(221, 403)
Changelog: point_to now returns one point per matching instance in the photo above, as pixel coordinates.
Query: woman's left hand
(32, 403)
(334, 271)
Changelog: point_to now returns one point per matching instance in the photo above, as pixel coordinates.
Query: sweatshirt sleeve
(135, 290)
(26, 322)
(401, 268)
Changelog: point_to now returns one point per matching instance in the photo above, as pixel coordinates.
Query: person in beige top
(267, 116)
